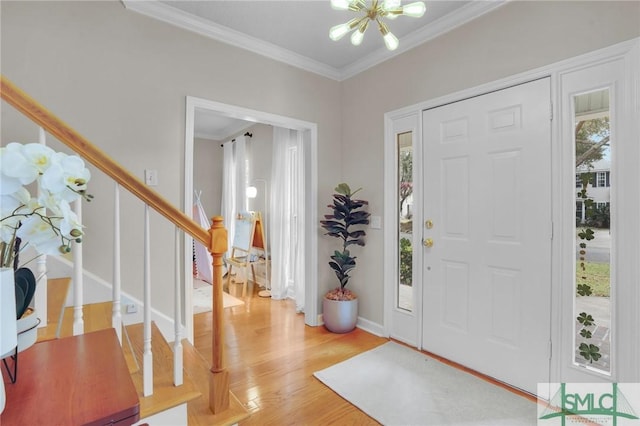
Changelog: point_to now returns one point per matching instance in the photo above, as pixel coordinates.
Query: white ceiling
(297, 32)
(211, 125)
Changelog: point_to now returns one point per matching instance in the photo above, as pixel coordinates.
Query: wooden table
(79, 380)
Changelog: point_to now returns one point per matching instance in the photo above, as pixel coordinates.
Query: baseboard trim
(97, 290)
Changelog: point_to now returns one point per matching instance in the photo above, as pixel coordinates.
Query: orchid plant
(46, 221)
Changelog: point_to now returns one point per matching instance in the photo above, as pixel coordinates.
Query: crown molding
(441, 26)
(187, 21)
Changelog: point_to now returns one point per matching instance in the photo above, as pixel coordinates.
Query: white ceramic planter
(340, 316)
(8, 336)
(28, 329)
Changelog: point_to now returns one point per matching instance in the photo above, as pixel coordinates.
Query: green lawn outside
(598, 277)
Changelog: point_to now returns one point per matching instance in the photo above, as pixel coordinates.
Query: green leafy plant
(589, 352)
(406, 261)
(345, 223)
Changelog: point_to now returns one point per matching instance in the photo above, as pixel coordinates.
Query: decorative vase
(27, 329)
(8, 324)
(340, 316)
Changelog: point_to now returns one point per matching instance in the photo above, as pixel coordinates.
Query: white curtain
(240, 159)
(234, 184)
(286, 222)
(201, 256)
(228, 207)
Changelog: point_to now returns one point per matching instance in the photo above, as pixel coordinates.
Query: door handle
(427, 242)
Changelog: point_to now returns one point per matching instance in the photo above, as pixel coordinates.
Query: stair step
(96, 316)
(165, 394)
(57, 289)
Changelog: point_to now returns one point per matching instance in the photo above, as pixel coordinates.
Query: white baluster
(40, 299)
(177, 341)
(78, 321)
(116, 314)
(147, 357)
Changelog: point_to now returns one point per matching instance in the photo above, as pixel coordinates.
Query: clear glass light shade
(356, 38)
(251, 191)
(390, 4)
(393, 16)
(415, 10)
(340, 4)
(337, 32)
(391, 41)
(358, 35)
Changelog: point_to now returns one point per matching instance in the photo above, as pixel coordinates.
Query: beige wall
(121, 80)
(207, 174)
(517, 37)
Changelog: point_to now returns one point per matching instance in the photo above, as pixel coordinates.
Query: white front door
(487, 213)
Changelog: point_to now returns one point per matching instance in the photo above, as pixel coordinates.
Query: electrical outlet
(151, 177)
(132, 308)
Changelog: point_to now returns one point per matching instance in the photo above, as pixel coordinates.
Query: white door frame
(310, 137)
(629, 53)
(400, 324)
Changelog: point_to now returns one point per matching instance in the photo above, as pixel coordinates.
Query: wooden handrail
(68, 136)
(215, 238)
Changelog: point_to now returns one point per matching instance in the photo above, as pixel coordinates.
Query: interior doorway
(309, 250)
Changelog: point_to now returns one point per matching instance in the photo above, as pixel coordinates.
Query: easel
(249, 235)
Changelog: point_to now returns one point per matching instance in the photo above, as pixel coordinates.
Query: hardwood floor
(271, 357)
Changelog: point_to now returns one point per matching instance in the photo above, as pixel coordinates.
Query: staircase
(157, 369)
(166, 396)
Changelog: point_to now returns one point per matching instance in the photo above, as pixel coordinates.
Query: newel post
(219, 380)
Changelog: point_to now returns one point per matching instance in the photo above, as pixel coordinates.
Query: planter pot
(27, 328)
(8, 333)
(340, 316)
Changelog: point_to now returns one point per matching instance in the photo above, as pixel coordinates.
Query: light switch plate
(151, 177)
(375, 222)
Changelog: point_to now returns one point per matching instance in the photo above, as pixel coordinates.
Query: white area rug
(202, 298)
(397, 385)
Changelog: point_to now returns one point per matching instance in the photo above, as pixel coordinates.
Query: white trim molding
(310, 137)
(171, 15)
(627, 314)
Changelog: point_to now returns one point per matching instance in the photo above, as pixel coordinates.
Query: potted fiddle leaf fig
(340, 305)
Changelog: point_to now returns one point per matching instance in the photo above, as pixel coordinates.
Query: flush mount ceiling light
(378, 10)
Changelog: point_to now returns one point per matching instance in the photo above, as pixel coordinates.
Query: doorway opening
(308, 132)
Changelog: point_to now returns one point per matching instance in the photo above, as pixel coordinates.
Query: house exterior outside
(598, 189)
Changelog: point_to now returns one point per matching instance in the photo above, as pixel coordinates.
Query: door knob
(427, 242)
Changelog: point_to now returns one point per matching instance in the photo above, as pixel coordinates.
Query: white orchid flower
(65, 177)
(46, 222)
(39, 156)
(25, 162)
(40, 234)
(10, 203)
(70, 226)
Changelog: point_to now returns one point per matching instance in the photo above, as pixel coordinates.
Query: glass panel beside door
(404, 295)
(593, 284)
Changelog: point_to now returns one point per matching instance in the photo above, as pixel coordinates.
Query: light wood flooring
(271, 357)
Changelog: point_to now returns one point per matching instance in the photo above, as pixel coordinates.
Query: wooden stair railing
(215, 238)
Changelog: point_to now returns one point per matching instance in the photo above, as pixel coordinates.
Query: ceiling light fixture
(377, 11)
